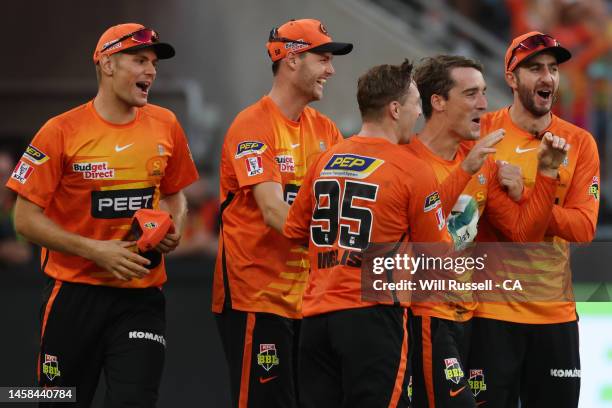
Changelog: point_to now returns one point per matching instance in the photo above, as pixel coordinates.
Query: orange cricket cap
(529, 44)
(303, 35)
(131, 36)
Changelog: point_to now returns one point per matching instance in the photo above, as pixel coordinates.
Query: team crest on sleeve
(22, 171)
(34, 155)
(254, 166)
(245, 148)
(594, 188)
(432, 202)
(351, 165)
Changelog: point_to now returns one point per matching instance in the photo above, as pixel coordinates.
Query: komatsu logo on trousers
(571, 373)
(148, 336)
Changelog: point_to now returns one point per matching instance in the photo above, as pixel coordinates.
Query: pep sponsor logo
(94, 171)
(34, 155)
(245, 148)
(432, 201)
(111, 204)
(351, 165)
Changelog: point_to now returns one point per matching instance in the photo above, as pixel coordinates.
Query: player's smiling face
(133, 76)
(313, 72)
(536, 83)
(466, 102)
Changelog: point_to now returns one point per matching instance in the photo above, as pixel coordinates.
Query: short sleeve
(40, 168)
(249, 147)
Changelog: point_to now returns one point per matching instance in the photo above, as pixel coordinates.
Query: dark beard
(526, 98)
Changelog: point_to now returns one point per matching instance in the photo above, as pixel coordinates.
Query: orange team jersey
(259, 270)
(364, 190)
(524, 222)
(574, 215)
(91, 176)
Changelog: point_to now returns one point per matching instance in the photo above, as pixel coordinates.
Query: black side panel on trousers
(439, 363)
(93, 327)
(538, 363)
(354, 358)
(260, 349)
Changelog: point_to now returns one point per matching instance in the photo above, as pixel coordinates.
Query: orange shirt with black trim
(257, 269)
(523, 222)
(574, 214)
(91, 176)
(361, 191)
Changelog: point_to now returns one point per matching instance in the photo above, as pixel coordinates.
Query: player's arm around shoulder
(113, 256)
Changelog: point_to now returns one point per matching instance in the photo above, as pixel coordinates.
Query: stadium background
(220, 68)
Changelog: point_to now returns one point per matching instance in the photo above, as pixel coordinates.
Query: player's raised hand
(511, 177)
(115, 257)
(484, 147)
(552, 151)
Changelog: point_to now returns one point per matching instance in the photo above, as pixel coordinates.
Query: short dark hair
(275, 66)
(382, 85)
(433, 77)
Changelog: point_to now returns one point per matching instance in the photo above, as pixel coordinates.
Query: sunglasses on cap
(143, 36)
(275, 38)
(532, 43)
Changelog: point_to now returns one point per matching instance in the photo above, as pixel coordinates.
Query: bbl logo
(594, 188)
(477, 381)
(267, 357)
(51, 367)
(453, 371)
(150, 225)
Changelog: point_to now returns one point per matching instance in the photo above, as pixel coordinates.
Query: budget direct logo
(245, 148)
(351, 165)
(94, 171)
(285, 163)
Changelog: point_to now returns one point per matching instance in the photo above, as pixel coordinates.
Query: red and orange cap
(150, 227)
(303, 35)
(528, 44)
(131, 36)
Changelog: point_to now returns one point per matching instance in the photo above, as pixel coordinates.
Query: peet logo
(34, 155)
(351, 165)
(94, 171)
(109, 204)
(245, 148)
